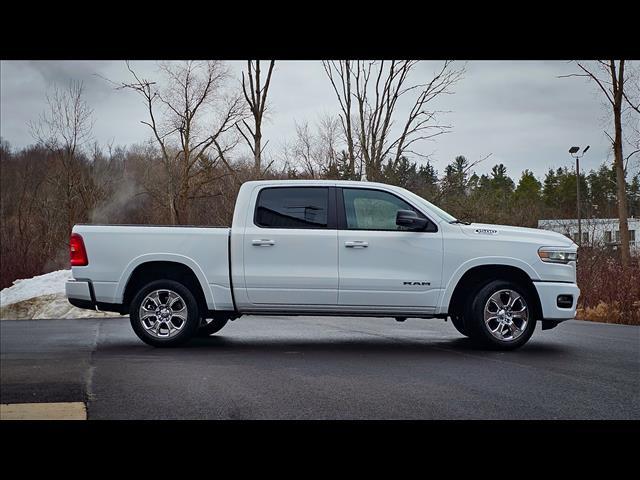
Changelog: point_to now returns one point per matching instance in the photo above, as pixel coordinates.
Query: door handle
(262, 243)
(356, 244)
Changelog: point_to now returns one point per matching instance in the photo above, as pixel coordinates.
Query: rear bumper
(548, 293)
(80, 294)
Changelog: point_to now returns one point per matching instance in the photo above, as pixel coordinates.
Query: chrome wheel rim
(506, 315)
(163, 313)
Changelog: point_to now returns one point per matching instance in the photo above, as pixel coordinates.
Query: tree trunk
(173, 214)
(619, 163)
(257, 146)
(621, 190)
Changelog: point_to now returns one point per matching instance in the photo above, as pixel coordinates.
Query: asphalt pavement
(323, 368)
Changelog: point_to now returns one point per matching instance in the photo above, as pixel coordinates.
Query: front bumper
(548, 293)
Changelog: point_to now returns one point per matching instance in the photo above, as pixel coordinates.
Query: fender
(165, 257)
(443, 305)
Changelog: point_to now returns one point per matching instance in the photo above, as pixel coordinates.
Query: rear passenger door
(290, 247)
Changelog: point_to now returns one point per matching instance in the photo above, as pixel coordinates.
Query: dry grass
(608, 314)
(609, 292)
(46, 306)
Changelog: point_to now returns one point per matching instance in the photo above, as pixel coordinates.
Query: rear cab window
(293, 207)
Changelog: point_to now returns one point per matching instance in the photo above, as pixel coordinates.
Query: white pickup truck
(319, 247)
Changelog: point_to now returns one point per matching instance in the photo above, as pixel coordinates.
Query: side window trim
(342, 216)
(331, 207)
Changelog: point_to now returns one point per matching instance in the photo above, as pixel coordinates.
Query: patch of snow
(42, 297)
(24, 289)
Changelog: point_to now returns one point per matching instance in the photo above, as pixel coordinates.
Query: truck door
(290, 247)
(380, 263)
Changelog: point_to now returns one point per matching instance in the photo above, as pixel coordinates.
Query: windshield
(437, 210)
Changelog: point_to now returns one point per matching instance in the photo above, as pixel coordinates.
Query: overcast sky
(519, 112)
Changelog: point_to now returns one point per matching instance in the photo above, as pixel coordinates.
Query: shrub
(608, 292)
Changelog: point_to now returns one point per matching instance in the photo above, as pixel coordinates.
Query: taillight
(78, 254)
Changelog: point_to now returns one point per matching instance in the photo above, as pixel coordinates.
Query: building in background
(596, 232)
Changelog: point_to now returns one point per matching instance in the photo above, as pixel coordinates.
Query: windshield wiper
(460, 222)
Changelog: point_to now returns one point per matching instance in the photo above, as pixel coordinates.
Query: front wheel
(458, 323)
(209, 326)
(164, 313)
(500, 315)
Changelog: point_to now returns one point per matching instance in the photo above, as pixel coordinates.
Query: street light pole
(574, 153)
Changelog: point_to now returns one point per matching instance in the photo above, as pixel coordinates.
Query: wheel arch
(477, 276)
(149, 269)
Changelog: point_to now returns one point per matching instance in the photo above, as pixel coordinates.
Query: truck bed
(114, 251)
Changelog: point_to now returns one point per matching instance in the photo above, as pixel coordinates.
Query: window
(292, 207)
(632, 237)
(585, 237)
(441, 213)
(373, 209)
(607, 236)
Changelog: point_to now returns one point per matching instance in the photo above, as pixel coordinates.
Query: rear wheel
(500, 316)
(164, 313)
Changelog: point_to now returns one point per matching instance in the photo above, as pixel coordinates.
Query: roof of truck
(317, 182)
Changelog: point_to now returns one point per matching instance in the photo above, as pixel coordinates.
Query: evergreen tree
(341, 169)
(529, 189)
(455, 177)
(602, 192)
(428, 182)
(401, 172)
(528, 199)
(634, 197)
(500, 181)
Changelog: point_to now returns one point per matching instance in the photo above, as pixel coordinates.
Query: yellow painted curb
(43, 411)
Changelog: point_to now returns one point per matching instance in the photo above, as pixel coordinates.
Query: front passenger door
(380, 263)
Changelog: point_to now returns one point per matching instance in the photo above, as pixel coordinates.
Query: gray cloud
(518, 111)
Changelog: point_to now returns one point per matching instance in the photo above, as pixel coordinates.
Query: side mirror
(410, 219)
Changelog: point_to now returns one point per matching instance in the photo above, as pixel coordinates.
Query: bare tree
(329, 138)
(304, 150)
(339, 74)
(368, 93)
(66, 123)
(315, 149)
(611, 79)
(63, 128)
(256, 98)
(192, 120)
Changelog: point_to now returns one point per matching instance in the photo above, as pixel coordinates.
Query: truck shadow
(366, 345)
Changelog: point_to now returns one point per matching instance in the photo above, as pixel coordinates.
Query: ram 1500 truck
(319, 247)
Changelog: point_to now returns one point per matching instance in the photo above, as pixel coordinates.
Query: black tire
(458, 322)
(189, 327)
(211, 325)
(478, 329)
(457, 316)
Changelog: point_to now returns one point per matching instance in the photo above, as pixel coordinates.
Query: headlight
(556, 255)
